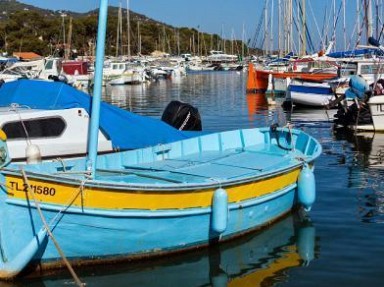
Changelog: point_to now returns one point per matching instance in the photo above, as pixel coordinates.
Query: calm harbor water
(340, 244)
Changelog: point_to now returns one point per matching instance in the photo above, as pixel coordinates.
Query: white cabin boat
(57, 133)
(122, 73)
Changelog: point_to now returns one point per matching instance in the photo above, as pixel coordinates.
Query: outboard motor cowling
(182, 116)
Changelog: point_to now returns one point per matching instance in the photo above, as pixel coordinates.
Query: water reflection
(366, 172)
(257, 104)
(218, 97)
(252, 260)
(310, 116)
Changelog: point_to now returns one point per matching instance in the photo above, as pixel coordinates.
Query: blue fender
(219, 210)
(306, 188)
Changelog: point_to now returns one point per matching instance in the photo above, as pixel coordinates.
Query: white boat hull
(376, 106)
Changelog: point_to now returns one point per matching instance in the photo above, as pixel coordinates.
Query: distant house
(27, 56)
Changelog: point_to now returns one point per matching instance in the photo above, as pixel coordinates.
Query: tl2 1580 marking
(38, 189)
(380, 108)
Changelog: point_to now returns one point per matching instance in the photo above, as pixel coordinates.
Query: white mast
(138, 38)
(279, 25)
(128, 31)
(271, 40)
(288, 37)
(358, 22)
(288, 25)
(119, 28)
(344, 27)
(304, 28)
(334, 23)
(242, 42)
(232, 40)
(369, 18)
(266, 27)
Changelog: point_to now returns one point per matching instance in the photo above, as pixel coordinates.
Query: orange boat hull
(258, 79)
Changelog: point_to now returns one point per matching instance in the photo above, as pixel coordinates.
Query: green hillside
(27, 28)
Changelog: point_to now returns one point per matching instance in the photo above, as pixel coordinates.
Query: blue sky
(223, 17)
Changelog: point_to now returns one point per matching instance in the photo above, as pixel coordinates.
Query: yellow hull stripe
(70, 195)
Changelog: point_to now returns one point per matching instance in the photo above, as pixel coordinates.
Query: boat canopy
(125, 129)
(284, 59)
(355, 53)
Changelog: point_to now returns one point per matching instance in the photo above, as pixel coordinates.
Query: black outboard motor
(182, 116)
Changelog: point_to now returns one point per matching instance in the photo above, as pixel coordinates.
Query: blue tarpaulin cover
(125, 129)
(355, 53)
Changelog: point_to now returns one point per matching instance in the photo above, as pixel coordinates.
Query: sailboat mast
(128, 31)
(377, 19)
(139, 38)
(279, 28)
(289, 26)
(266, 28)
(119, 28)
(344, 27)
(242, 42)
(358, 22)
(271, 33)
(304, 28)
(98, 79)
(69, 43)
(369, 18)
(334, 23)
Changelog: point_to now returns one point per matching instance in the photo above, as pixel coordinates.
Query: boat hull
(259, 80)
(376, 106)
(104, 235)
(310, 94)
(195, 193)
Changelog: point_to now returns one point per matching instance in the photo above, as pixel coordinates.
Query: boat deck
(213, 166)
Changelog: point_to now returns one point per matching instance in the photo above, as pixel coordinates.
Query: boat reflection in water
(256, 103)
(301, 116)
(257, 259)
(366, 172)
(261, 111)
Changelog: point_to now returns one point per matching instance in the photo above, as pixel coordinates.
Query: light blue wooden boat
(151, 201)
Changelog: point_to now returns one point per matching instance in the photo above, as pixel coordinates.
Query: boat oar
(73, 273)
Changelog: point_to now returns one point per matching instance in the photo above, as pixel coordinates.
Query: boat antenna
(96, 98)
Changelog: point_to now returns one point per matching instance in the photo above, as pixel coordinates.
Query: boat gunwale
(176, 187)
(82, 180)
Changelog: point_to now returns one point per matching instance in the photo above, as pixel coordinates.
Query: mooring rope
(66, 206)
(71, 270)
(289, 126)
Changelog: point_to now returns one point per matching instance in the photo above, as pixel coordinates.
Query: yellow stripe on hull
(102, 198)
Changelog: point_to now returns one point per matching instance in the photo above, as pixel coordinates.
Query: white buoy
(32, 153)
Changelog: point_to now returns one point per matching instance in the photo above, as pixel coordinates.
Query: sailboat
(150, 201)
